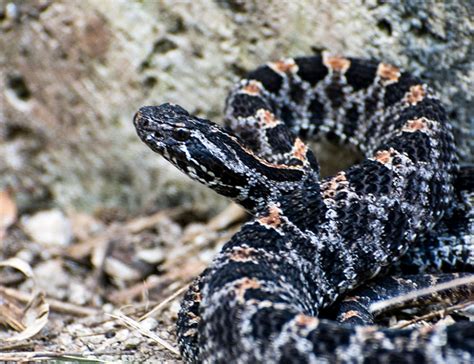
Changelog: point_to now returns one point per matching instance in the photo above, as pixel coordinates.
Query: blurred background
(73, 73)
(99, 219)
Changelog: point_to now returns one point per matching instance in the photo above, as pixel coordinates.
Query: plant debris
(110, 290)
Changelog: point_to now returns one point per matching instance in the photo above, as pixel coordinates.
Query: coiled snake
(312, 240)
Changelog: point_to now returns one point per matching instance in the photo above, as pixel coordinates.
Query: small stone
(108, 308)
(169, 231)
(52, 278)
(151, 256)
(122, 335)
(79, 293)
(26, 255)
(174, 308)
(49, 227)
(149, 323)
(12, 11)
(133, 342)
(109, 325)
(120, 271)
(109, 334)
(95, 339)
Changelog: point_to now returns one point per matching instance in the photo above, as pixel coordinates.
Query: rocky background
(74, 72)
(93, 225)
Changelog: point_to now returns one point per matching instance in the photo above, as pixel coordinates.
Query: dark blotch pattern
(311, 69)
(270, 79)
(304, 248)
(245, 105)
(361, 74)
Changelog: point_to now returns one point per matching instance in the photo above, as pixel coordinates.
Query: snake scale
(311, 241)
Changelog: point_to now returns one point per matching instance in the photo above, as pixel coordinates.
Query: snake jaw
(211, 155)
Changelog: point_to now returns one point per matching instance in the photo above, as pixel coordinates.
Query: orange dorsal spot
(340, 177)
(267, 119)
(252, 88)
(284, 66)
(273, 218)
(384, 156)
(415, 95)
(420, 124)
(306, 321)
(243, 285)
(389, 73)
(349, 314)
(242, 254)
(299, 150)
(329, 188)
(337, 64)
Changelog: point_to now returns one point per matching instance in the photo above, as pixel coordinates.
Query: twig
(163, 303)
(55, 305)
(400, 300)
(144, 331)
(25, 356)
(141, 223)
(439, 313)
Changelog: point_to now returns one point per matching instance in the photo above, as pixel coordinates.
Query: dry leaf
(8, 212)
(29, 320)
(11, 313)
(18, 264)
(35, 317)
(144, 331)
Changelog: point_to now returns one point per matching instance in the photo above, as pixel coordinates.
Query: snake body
(313, 240)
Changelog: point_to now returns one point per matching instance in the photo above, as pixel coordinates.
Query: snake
(312, 242)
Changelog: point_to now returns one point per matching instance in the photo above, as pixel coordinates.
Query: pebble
(122, 335)
(49, 227)
(149, 323)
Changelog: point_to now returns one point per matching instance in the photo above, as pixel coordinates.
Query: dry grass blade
(18, 264)
(55, 305)
(34, 319)
(29, 320)
(163, 303)
(145, 332)
(400, 300)
(28, 356)
(11, 313)
(439, 313)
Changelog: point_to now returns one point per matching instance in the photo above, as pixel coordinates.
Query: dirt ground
(110, 290)
(106, 288)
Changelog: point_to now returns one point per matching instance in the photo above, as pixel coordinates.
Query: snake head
(198, 147)
(211, 155)
(163, 128)
(185, 140)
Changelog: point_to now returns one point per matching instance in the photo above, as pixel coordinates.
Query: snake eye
(181, 134)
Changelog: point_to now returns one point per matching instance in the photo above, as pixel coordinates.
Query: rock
(49, 227)
(52, 279)
(149, 323)
(151, 256)
(76, 72)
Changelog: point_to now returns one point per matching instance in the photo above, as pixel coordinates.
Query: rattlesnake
(312, 240)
